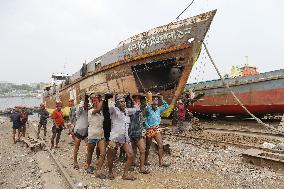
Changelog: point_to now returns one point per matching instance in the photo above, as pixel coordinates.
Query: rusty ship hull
(261, 94)
(159, 60)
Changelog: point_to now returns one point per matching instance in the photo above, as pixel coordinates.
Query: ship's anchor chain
(269, 127)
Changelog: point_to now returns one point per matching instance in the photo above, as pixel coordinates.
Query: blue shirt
(15, 118)
(153, 118)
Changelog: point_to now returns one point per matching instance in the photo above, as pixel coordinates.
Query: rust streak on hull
(159, 60)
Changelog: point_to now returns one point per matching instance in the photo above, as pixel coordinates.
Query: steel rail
(61, 169)
(244, 132)
(240, 145)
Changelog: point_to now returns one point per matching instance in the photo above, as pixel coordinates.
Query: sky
(38, 38)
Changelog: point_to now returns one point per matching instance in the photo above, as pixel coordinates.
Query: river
(10, 102)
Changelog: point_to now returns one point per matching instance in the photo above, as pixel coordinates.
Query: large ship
(159, 60)
(261, 94)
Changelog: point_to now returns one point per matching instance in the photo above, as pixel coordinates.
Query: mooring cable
(184, 10)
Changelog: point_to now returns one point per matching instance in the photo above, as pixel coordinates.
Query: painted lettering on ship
(154, 40)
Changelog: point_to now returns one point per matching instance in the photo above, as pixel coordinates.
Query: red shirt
(57, 117)
(181, 112)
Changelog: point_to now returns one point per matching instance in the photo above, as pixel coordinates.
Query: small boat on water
(159, 60)
(261, 94)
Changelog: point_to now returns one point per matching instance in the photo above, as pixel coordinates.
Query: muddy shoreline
(194, 164)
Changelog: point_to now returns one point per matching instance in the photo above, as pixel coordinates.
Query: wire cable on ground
(237, 99)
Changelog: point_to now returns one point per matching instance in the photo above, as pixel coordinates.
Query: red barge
(262, 94)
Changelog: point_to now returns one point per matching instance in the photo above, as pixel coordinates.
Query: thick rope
(237, 99)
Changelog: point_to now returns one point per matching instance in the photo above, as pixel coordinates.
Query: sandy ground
(19, 168)
(193, 165)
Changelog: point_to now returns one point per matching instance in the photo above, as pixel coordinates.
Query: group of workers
(108, 124)
(116, 123)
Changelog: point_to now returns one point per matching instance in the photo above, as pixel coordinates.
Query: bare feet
(102, 176)
(144, 171)
(164, 165)
(111, 176)
(90, 170)
(135, 164)
(131, 168)
(147, 163)
(76, 166)
(128, 177)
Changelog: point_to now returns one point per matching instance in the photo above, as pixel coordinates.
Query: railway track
(246, 132)
(61, 169)
(188, 136)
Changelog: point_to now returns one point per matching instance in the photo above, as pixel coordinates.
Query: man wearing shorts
(58, 123)
(135, 133)
(17, 125)
(119, 134)
(152, 123)
(96, 137)
(43, 113)
(81, 126)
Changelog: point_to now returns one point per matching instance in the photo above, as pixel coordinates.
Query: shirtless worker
(96, 136)
(58, 123)
(43, 116)
(152, 123)
(119, 134)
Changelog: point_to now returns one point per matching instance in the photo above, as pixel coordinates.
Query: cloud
(40, 37)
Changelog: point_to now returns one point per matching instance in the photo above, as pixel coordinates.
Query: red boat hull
(260, 96)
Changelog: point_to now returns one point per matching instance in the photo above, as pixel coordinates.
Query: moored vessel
(159, 60)
(261, 94)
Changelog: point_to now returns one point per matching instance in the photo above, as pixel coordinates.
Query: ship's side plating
(159, 60)
(261, 94)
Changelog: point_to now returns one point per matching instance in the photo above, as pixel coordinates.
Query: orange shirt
(57, 117)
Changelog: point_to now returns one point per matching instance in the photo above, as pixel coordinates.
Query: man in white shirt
(96, 136)
(119, 134)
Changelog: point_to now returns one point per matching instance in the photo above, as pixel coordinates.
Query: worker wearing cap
(58, 121)
(152, 124)
(43, 116)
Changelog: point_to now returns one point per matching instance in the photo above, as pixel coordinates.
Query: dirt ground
(193, 165)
